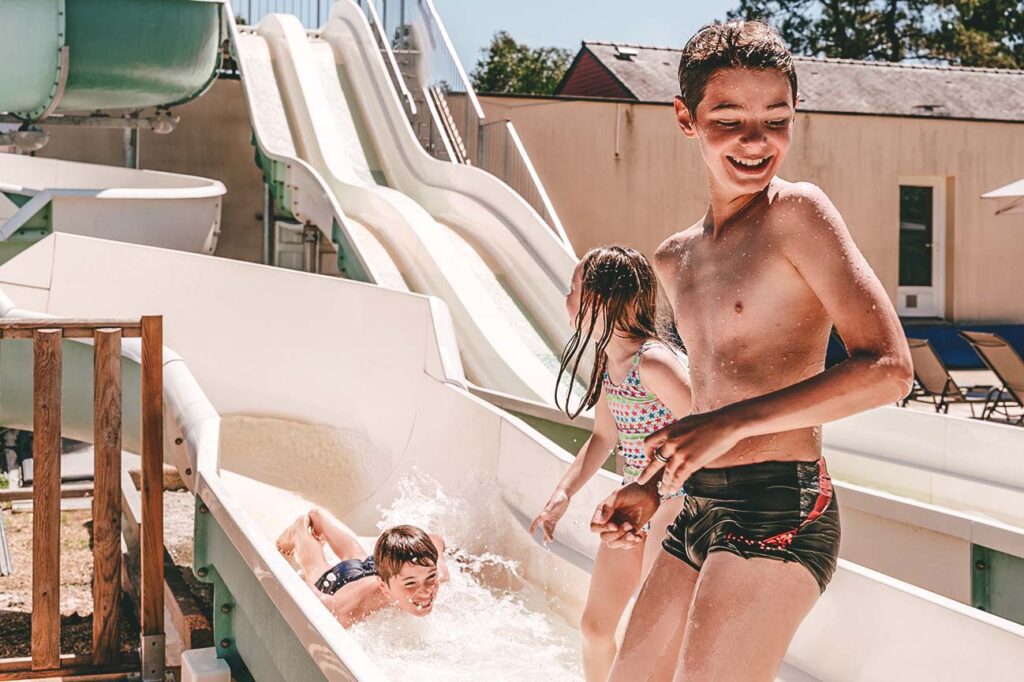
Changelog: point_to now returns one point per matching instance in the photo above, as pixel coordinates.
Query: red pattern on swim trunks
(785, 539)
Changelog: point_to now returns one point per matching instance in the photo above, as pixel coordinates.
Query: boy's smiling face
(413, 589)
(744, 124)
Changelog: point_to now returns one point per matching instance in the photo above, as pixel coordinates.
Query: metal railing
(500, 152)
(312, 13)
(450, 122)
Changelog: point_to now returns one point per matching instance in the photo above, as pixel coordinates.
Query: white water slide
(325, 100)
(169, 210)
(369, 430)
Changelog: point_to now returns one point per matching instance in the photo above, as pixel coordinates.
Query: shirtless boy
(755, 286)
(405, 570)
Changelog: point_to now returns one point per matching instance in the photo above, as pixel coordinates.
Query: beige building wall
(212, 140)
(619, 172)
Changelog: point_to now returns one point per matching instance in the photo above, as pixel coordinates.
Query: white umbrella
(1014, 192)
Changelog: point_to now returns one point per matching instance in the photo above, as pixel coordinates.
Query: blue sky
(564, 23)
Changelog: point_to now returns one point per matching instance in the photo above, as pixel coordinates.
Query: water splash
(477, 630)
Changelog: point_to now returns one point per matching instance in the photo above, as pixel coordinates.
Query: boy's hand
(689, 445)
(552, 514)
(623, 514)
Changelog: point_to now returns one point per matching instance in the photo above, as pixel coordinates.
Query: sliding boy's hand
(622, 515)
(686, 446)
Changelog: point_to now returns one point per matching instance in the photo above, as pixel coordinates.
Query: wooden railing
(47, 336)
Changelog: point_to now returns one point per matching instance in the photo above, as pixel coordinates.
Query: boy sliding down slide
(405, 570)
(755, 286)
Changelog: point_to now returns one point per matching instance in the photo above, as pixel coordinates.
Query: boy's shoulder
(674, 245)
(799, 204)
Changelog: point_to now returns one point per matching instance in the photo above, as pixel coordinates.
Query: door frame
(938, 288)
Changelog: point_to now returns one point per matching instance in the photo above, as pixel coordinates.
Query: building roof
(649, 74)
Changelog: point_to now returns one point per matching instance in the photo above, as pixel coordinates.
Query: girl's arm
(594, 452)
(588, 461)
(662, 373)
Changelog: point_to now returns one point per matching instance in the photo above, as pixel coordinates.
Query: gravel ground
(76, 577)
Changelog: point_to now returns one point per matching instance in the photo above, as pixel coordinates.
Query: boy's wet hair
(403, 545)
(620, 283)
(734, 44)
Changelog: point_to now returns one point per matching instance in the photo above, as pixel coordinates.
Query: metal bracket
(153, 658)
(61, 85)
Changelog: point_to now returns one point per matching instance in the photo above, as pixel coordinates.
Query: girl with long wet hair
(638, 383)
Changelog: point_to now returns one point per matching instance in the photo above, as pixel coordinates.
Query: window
(916, 238)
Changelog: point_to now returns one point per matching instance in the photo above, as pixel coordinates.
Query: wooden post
(106, 505)
(152, 549)
(46, 504)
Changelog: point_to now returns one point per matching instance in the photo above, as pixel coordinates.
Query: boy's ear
(684, 118)
(383, 586)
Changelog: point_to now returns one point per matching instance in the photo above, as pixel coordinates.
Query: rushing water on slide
(477, 630)
(488, 622)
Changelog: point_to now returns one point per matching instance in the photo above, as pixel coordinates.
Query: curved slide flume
(298, 188)
(262, 438)
(63, 56)
(516, 241)
(168, 210)
(500, 347)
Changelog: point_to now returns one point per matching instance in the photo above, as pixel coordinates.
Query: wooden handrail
(72, 328)
(47, 335)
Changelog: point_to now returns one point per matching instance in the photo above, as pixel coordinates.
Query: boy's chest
(735, 288)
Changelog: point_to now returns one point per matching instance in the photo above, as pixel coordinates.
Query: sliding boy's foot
(286, 541)
(318, 520)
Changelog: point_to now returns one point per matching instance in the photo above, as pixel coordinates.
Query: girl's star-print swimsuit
(638, 413)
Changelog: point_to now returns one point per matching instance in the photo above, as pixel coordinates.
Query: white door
(922, 247)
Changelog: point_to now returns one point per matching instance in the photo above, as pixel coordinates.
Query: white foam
(477, 629)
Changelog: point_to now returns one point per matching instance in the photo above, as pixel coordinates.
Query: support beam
(152, 589)
(106, 505)
(46, 504)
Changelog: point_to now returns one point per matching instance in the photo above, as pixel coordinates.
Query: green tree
(979, 33)
(506, 66)
(963, 32)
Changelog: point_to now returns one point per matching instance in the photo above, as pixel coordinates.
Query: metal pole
(131, 147)
(269, 240)
(311, 248)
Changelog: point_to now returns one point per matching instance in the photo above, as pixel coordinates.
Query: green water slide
(86, 55)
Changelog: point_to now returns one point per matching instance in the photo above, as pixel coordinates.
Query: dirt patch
(76, 577)
(75, 587)
(75, 563)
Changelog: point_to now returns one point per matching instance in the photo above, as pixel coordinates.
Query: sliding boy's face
(744, 125)
(413, 589)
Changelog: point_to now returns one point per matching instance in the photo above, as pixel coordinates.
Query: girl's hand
(552, 514)
(689, 445)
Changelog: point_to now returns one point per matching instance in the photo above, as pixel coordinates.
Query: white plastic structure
(310, 200)
(330, 391)
(202, 665)
(508, 309)
(169, 210)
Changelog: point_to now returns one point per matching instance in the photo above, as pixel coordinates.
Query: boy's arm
(349, 604)
(878, 371)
